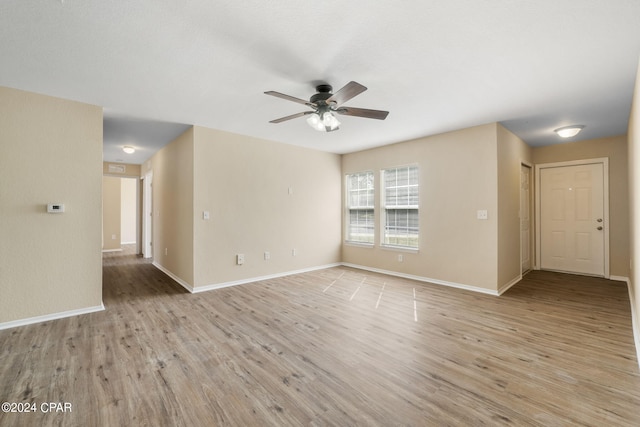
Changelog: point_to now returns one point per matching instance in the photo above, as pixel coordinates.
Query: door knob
(599, 228)
(599, 220)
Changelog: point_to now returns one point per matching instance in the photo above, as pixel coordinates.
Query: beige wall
(262, 197)
(50, 151)
(458, 177)
(615, 148)
(111, 209)
(634, 202)
(512, 153)
(173, 207)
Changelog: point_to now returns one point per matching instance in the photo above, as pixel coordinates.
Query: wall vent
(117, 168)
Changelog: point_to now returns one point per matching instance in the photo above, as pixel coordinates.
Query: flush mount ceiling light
(128, 149)
(569, 131)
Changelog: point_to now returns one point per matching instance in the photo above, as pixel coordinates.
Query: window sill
(358, 244)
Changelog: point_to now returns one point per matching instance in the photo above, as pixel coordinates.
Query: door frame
(605, 166)
(147, 217)
(532, 238)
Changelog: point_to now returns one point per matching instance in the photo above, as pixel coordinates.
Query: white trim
(128, 243)
(504, 288)
(204, 288)
(531, 216)
(635, 320)
(260, 278)
(424, 279)
(605, 165)
(147, 215)
(181, 282)
(111, 250)
(359, 244)
(620, 279)
(53, 316)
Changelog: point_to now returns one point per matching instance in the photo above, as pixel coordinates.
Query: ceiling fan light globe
(314, 121)
(329, 121)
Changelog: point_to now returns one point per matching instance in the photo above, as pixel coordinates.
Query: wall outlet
(267, 256)
(113, 237)
(400, 257)
(294, 252)
(240, 259)
(482, 214)
(206, 215)
(55, 207)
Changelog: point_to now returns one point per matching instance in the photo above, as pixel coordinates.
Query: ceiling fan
(324, 103)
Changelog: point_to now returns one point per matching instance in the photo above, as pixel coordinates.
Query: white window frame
(384, 207)
(366, 207)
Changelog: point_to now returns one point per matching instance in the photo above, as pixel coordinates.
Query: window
(401, 199)
(360, 200)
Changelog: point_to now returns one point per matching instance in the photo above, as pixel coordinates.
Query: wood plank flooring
(335, 347)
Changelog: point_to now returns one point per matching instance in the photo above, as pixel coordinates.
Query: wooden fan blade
(363, 112)
(349, 90)
(289, 98)
(293, 116)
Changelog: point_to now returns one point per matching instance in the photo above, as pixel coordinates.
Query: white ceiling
(157, 66)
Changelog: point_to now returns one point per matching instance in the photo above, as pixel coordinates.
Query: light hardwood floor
(339, 347)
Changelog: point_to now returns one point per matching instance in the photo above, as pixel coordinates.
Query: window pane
(361, 226)
(391, 197)
(360, 200)
(401, 201)
(402, 177)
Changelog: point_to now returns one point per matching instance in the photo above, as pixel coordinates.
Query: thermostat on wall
(55, 207)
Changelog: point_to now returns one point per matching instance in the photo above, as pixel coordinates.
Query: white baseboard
(620, 279)
(504, 288)
(181, 282)
(221, 285)
(48, 317)
(424, 279)
(635, 324)
(635, 320)
(260, 278)
(111, 250)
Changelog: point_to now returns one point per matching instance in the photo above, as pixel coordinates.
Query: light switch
(205, 215)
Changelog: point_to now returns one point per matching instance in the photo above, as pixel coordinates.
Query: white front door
(525, 218)
(572, 219)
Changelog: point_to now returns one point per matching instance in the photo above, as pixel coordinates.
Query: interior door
(572, 219)
(525, 218)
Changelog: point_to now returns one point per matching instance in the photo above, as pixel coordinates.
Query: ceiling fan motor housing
(324, 93)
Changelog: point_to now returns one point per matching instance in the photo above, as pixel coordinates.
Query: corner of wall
(633, 155)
